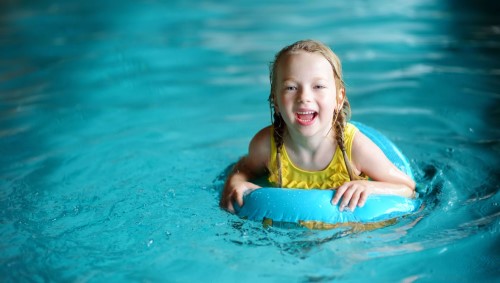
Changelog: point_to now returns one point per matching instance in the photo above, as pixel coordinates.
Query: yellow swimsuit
(332, 176)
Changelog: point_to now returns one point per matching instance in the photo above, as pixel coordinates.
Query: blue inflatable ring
(296, 205)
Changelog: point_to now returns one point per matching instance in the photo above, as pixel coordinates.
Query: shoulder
(350, 126)
(350, 130)
(264, 133)
(367, 156)
(362, 146)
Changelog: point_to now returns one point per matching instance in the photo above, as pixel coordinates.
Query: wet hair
(340, 116)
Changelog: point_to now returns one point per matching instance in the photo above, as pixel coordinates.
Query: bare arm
(248, 167)
(387, 178)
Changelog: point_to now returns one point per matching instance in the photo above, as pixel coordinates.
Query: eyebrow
(313, 79)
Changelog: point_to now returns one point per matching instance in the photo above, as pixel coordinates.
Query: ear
(340, 97)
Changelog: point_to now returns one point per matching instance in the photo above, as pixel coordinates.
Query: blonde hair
(341, 116)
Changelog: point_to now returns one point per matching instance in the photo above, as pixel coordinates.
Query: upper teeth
(305, 113)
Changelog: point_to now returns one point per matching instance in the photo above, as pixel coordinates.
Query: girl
(310, 144)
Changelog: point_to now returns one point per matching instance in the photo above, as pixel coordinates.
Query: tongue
(305, 116)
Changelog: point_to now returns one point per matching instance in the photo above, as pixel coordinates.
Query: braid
(279, 129)
(339, 123)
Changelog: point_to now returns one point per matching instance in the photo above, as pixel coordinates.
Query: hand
(236, 193)
(353, 194)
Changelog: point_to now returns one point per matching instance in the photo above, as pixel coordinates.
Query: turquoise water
(117, 121)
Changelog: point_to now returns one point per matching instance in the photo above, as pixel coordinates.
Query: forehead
(305, 63)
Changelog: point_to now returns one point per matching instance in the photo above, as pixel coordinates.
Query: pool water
(118, 121)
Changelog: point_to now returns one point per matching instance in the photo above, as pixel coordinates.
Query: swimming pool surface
(118, 119)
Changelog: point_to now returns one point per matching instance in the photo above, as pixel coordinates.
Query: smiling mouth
(306, 118)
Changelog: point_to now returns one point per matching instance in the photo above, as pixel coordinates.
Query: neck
(310, 153)
(311, 145)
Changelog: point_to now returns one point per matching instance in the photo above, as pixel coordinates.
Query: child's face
(306, 94)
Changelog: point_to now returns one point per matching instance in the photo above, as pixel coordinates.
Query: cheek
(327, 109)
(283, 102)
(285, 109)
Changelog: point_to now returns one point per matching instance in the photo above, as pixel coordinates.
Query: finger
(346, 198)
(250, 189)
(362, 199)
(239, 198)
(354, 201)
(226, 203)
(230, 207)
(253, 186)
(338, 194)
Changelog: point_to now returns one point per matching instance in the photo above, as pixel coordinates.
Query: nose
(304, 95)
